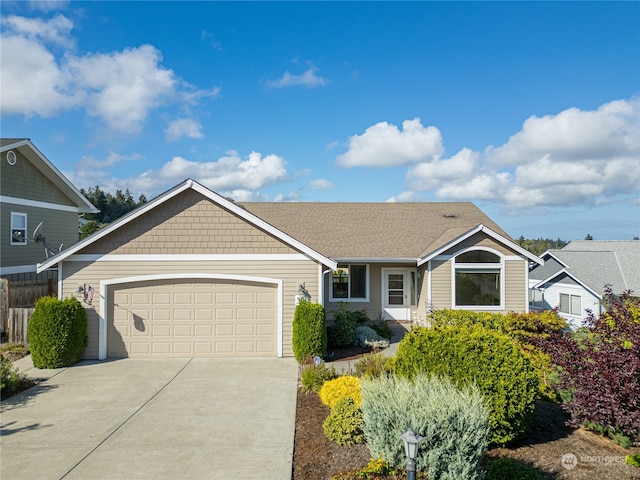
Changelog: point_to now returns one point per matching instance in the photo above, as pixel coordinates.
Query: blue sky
(530, 110)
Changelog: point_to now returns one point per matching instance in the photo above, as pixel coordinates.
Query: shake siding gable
(189, 224)
(23, 180)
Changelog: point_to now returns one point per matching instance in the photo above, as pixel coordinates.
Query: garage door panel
(192, 318)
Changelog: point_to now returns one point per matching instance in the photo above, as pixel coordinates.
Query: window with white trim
(18, 228)
(478, 279)
(570, 304)
(349, 282)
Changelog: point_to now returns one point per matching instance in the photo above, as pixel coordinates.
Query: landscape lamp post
(411, 440)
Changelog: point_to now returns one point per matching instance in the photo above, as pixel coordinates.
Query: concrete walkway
(153, 419)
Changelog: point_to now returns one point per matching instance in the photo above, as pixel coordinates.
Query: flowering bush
(600, 369)
(345, 386)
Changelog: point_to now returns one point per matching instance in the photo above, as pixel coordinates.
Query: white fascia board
(481, 228)
(162, 198)
(410, 260)
(555, 257)
(186, 257)
(17, 269)
(555, 275)
(11, 146)
(258, 222)
(37, 204)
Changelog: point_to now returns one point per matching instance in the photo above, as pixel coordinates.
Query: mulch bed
(549, 439)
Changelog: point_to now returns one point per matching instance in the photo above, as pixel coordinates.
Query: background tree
(111, 206)
(540, 245)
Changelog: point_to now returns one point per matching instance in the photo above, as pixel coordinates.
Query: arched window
(479, 280)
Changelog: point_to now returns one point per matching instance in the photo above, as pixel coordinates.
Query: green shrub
(345, 321)
(453, 422)
(475, 355)
(313, 377)
(510, 468)
(57, 332)
(382, 328)
(309, 330)
(344, 424)
(373, 365)
(633, 460)
(528, 329)
(10, 378)
(344, 386)
(368, 337)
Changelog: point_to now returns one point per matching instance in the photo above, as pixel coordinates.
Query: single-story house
(573, 278)
(192, 273)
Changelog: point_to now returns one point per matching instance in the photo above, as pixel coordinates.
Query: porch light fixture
(411, 441)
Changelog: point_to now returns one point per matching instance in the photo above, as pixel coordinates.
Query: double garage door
(192, 318)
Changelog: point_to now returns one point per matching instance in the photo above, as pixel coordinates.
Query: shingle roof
(373, 230)
(597, 263)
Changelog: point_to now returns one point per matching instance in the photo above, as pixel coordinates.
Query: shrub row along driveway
(154, 419)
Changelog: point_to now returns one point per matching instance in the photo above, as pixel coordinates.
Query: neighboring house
(39, 209)
(191, 273)
(573, 279)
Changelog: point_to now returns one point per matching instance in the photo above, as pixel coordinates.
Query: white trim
(60, 281)
(565, 271)
(411, 260)
(11, 229)
(185, 258)
(429, 304)
(106, 284)
(17, 269)
(527, 307)
(215, 198)
(349, 299)
(550, 253)
(479, 266)
(481, 228)
(23, 202)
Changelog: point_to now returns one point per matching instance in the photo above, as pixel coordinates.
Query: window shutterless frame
(18, 228)
(478, 280)
(350, 283)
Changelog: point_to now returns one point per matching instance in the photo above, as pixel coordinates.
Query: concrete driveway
(154, 419)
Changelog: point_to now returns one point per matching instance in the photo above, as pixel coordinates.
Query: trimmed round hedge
(476, 355)
(57, 332)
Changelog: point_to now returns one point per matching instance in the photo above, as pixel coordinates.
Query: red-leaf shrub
(600, 368)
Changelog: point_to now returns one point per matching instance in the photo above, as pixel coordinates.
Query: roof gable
(106, 240)
(51, 186)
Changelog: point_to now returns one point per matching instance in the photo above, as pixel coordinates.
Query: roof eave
(481, 228)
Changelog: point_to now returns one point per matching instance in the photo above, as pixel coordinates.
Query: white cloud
(406, 196)
(430, 175)
(574, 134)
(574, 158)
(112, 159)
(120, 88)
(384, 145)
(183, 127)
(322, 184)
(307, 79)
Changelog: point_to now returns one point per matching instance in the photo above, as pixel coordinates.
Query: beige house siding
(441, 288)
(291, 272)
(479, 240)
(23, 180)
(59, 227)
(190, 224)
(516, 280)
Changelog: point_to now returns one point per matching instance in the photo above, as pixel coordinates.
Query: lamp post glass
(411, 441)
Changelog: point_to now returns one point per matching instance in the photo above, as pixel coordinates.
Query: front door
(397, 294)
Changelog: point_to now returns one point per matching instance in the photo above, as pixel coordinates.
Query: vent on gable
(11, 157)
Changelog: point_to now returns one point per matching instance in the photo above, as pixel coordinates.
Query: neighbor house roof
(596, 264)
(42, 163)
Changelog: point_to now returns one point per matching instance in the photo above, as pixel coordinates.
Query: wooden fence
(17, 300)
(17, 325)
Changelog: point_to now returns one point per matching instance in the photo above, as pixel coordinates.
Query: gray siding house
(192, 273)
(39, 207)
(573, 279)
